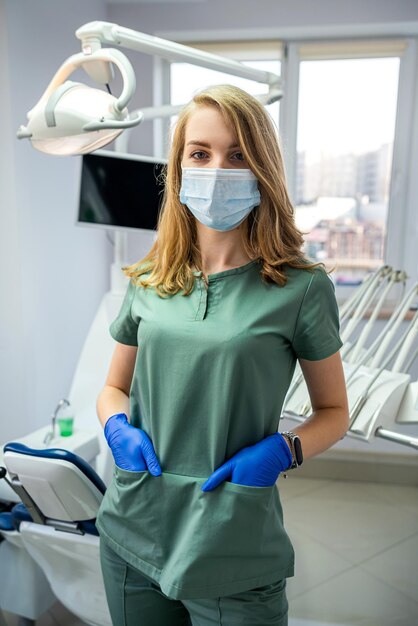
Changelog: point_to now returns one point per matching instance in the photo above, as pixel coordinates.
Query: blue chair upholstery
(6, 522)
(20, 514)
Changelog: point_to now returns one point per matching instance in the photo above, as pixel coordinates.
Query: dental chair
(61, 494)
(24, 589)
(65, 564)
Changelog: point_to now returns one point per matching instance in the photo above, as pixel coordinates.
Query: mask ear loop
(253, 217)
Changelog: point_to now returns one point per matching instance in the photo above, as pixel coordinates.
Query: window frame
(399, 246)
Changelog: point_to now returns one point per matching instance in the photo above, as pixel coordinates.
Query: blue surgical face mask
(219, 198)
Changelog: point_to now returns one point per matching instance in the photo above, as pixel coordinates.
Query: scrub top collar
(224, 273)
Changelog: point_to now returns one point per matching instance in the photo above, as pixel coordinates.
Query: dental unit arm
(392, 278)
(363, 304)
(377, 396)
(352, 353)
(93, 34)
(353, 310)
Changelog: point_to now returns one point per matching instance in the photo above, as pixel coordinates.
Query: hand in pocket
(131, 447)
(256, 466)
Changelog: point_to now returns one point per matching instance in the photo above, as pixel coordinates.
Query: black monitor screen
(120, 191)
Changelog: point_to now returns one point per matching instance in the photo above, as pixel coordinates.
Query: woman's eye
(240, 155)
(198, 152)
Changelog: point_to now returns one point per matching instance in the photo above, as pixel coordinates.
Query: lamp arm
(75, 61)
(167, 110)
(93, 34)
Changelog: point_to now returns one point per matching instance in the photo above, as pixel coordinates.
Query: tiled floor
(356, 548)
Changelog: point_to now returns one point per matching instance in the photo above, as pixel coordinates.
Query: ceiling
(151, 1)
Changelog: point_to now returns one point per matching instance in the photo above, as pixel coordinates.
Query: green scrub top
(211, 374)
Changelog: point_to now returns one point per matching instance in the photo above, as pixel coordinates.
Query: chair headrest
(62, 484)
(59, 453)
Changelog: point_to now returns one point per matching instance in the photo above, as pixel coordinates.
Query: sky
(347, 105)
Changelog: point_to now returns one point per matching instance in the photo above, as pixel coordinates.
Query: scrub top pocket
(123, 475)
(172, 530)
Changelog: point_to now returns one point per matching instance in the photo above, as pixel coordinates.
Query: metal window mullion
(289, 114)
(161, 96)
(401, 207)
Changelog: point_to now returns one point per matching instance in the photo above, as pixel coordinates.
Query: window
(187, 79)
(346, 126)
(339, 113)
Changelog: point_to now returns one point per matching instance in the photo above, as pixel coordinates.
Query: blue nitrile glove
(257, 466)
(131, 447)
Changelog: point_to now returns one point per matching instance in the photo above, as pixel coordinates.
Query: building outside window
(345, 138)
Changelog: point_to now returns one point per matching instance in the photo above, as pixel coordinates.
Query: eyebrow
(196, 142)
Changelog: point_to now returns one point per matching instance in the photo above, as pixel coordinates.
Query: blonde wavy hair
(269, 233)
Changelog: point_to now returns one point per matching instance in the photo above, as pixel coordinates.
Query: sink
(84, 443)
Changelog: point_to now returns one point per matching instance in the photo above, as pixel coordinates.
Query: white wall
(239, 14)
(53, 274)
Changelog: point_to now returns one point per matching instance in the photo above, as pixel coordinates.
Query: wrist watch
(295, 448)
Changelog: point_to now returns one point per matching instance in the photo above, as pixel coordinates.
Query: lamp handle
(109, 55)
(122, 124)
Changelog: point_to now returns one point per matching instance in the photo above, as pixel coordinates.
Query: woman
(208, 334)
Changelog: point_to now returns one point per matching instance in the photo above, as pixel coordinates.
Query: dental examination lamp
(72, 118)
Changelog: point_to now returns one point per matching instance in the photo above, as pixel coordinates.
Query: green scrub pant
(135, 600)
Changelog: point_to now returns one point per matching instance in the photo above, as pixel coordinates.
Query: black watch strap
(295, 448)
